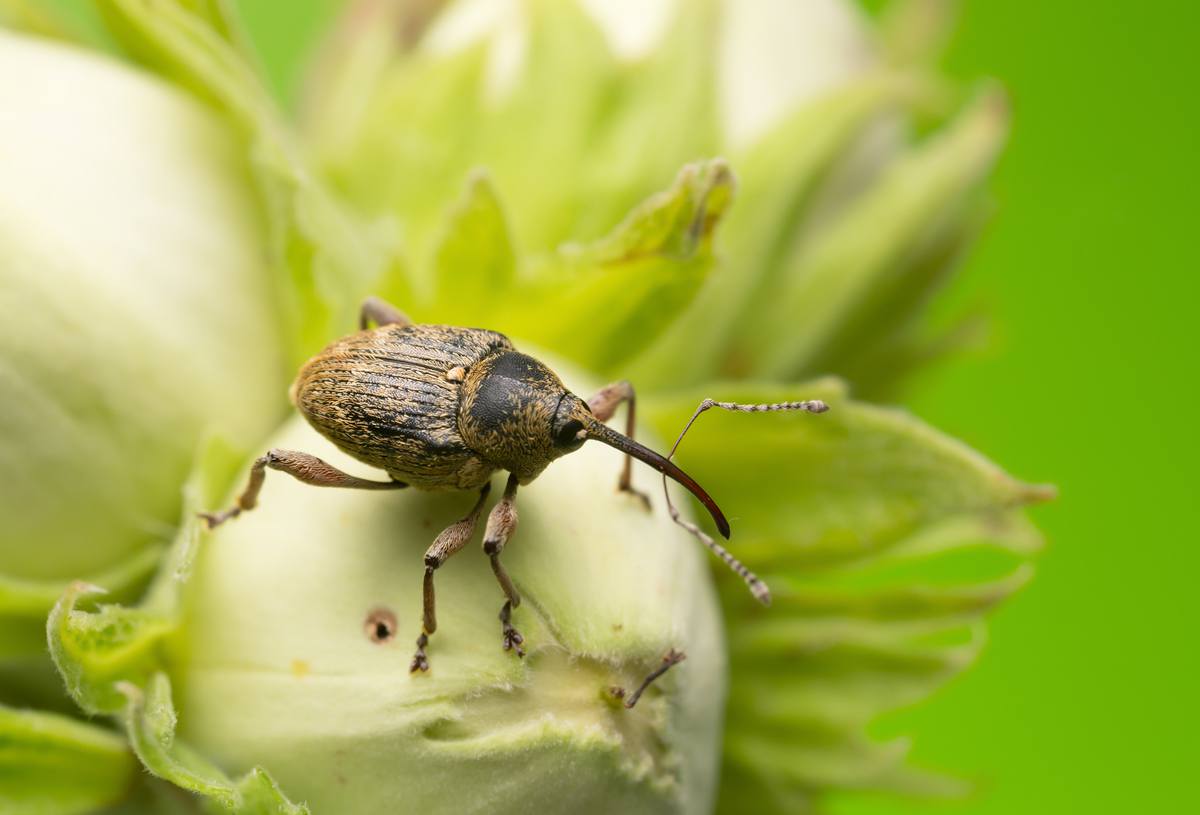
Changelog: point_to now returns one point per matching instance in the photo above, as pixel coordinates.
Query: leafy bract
(885, 544)
(780, 178)
(98, 649)
(849, 288)
(430, 111)
(54, 765)
(602, 302)
(149, 718)
(325, 260)
(474, 263)
(112, 657)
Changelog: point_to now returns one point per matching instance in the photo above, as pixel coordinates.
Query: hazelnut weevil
(443, 408)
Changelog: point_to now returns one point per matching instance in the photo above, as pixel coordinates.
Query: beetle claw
(214, 519)
(513, 640)
(638, 494)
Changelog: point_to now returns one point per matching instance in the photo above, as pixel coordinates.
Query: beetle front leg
(502, 522)
(381, 313)
(604, 404)
(301, 466)
(452, 539)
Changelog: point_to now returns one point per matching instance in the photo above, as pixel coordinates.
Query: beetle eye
(569, 434)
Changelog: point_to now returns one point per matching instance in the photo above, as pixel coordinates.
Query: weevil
(443, 408)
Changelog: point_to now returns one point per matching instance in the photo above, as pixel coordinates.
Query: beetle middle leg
(452, 539)
(604, 404)
(502, 522)
(301, 466)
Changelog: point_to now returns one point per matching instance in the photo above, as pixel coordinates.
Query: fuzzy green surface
(274, 668)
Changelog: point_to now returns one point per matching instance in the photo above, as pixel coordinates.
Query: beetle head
(517, 414)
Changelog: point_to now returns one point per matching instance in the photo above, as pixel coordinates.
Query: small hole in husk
(380, 625)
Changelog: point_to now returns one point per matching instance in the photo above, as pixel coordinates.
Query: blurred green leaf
(96, 650)
(153, 341)
(876, 544)
(779, 179)
(326, 261)
(603, 302)
(886, 341)
(345, 73)
(30, 18)
(539, 160)
(53, 765)
(474, 263)
(438, 112)
(149, 719)
(842, 286)
(662, 112)
(414, 148)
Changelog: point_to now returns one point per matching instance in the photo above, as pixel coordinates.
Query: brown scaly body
(438, 407)
(383, 396)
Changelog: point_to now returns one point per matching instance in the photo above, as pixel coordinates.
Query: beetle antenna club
(757, 587)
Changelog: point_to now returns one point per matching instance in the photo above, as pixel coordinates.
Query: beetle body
(443, 408)
(436, 407)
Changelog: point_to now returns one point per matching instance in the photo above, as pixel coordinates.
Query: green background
(1085, 698)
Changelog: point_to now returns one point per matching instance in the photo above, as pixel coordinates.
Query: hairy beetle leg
(604, 404)
(512, 637)
(502, 522)
(381, 313)
(420, 662)
(300, 466)
(452, 539)
(669, 660)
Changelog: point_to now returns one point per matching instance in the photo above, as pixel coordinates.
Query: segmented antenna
(757, 587)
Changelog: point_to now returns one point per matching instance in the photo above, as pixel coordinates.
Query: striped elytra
(387, 397)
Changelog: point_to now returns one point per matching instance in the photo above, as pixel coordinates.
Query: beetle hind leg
(502, 522)
(604, 404)
(301, 466)
(452, 539)
(381, 313)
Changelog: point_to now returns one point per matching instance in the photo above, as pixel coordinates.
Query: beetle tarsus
(214, 519)
(420, 662)
(512, 637)
(643, 497)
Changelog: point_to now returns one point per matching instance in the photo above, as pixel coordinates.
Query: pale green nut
(279, 662)
(136, 311)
